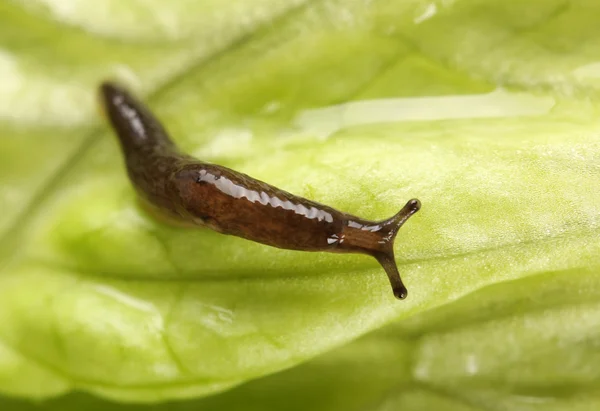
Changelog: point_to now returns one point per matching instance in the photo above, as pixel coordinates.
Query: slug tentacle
(377, 240)
(193, 192)
(392, 225)
(386, 258)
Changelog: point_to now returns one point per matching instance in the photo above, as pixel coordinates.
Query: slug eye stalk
(386, 258)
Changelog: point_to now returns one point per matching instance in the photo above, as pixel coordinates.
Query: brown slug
(191, 191)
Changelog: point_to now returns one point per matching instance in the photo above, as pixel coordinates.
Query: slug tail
(385, 257)
(135, 125)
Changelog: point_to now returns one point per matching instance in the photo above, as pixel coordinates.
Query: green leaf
(447, 359)
(485, 111)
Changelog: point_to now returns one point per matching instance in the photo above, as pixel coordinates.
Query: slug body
(204, 194)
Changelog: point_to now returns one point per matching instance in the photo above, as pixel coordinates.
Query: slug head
(384, 252)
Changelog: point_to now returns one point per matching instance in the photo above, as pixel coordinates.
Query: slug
(194, 192)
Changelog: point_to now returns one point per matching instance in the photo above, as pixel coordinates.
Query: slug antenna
(385, 256)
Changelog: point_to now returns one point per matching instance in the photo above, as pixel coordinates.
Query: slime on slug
(190, 191)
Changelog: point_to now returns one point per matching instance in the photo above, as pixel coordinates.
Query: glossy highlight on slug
(193, 192)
